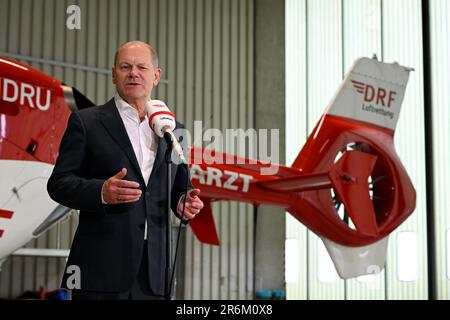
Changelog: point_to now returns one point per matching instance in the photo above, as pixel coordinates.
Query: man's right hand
(115, 190)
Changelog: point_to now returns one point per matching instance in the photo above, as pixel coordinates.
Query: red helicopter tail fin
(361, 117)
(371, 95)
(204, 227)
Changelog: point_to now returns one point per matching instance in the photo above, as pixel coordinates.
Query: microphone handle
(172, 141)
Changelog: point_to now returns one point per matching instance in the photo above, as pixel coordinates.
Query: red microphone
(162, 122)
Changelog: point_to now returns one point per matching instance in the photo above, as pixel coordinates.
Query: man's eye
(125, 67)
(143, 67)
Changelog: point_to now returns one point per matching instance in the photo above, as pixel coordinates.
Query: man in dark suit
(111, 167)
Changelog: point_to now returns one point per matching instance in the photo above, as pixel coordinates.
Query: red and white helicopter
(347, 184)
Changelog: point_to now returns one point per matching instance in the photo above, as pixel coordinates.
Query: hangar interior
(263, 64)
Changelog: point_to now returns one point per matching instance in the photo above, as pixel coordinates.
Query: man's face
(134, 74)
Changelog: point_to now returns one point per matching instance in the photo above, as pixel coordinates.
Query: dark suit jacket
(108, 244)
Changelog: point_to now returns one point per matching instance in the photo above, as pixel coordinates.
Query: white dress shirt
(142, 138)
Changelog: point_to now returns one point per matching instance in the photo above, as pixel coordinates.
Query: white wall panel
(296, 129)
(402, 42)
(324, 75)
(338, 32)
(440, 70)
(362, 38)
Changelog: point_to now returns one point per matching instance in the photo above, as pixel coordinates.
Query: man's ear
(113, 75)
(158, 72)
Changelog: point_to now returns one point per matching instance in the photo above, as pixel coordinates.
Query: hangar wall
(206, 52)
(440, 102)
(323, 38)
(197, 41)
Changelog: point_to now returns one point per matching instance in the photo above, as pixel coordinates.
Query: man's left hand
(193, 205)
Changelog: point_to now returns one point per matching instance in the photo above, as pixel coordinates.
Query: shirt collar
(126, 110)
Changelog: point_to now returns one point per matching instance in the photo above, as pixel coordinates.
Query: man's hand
(193, 205)
(115, 190)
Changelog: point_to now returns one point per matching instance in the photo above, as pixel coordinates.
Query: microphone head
(160, 118)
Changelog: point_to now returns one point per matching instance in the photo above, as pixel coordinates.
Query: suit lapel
(111, 120)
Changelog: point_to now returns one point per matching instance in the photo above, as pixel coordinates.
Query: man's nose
(133, 72)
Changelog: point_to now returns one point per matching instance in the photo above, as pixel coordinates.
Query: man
(111, 167)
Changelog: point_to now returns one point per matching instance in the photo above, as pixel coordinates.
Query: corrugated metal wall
(326, 36)
(24, 273)
(223, 98)
(440, 70)
(206, 52)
